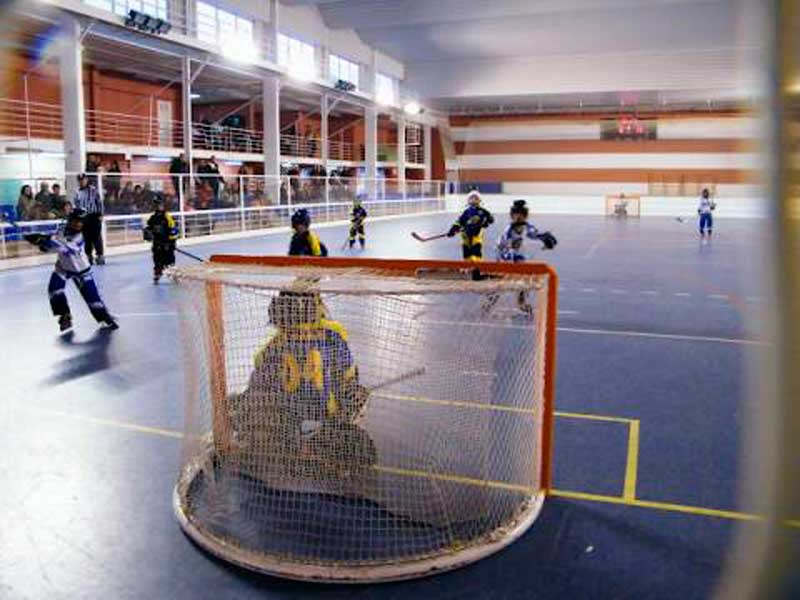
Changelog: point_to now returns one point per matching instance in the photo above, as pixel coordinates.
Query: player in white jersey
(704, 210)
(511, 245)
(71, 264)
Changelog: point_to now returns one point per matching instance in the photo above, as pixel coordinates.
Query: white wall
(478, 132)
(645, 160)
(651, 206)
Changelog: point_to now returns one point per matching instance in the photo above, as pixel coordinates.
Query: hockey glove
(548, 239)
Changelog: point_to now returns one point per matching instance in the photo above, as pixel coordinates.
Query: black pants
(93, 235)
(472, 251)
(357, 229)
(163, 256)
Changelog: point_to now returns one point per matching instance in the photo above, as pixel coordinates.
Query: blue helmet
(301, 217)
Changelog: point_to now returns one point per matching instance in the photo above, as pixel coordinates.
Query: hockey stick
(408, 375)
(190, 255)
(420, 238)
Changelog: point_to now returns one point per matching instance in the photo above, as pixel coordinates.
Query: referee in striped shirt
(89, 201)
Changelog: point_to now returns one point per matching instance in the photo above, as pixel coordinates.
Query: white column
(371, 149)
(73, 114)
(186, 116)
(401, 155)
(271, 103)
(323, 134)
(271, 30)
(426, 150)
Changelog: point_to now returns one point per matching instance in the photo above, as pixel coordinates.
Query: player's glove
(38, 239)
(698, 211)
(148, 235)
(453, 230)
(548, 239)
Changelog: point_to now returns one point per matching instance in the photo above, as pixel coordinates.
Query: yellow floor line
(456, 479)
(620, 500)
(458, 403)
(588, 417)
(632, 463)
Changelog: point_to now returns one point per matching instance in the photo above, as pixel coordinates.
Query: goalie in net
(303, 399)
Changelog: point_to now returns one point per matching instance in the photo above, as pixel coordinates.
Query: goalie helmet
(519, 207)
(292, 309)
(301, 217)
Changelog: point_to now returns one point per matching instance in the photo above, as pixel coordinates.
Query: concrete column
(323, 134)
(272, 135)
(427, 150)
(73, 115)
(271, 30)
(401, 155)
(371, 149)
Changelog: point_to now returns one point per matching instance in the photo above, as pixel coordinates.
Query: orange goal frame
(217, 370)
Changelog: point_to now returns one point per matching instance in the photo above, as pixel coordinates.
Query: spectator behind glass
(43, 195)
(112, 181)
(57, 201)
(25, 204)
(178, 166)
(92, 166)
(126, 199)
(41, 205)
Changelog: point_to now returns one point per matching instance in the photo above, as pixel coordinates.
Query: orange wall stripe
(719, 146)
(611, 175)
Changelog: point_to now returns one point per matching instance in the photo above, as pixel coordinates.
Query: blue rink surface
(658, 334)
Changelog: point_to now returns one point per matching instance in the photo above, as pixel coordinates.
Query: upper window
(385, 89)
(341, 68)
(154, 8)
(221, 27)
(296, 56)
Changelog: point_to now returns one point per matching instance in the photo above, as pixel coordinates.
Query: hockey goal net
(364, 420)
(623, 205)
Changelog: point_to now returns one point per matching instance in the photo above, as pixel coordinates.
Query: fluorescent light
(233, 163)
(194, 96)
(159, 159)
(412, 108)
(52, 155)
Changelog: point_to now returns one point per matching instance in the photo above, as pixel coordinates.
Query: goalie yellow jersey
(305, 369)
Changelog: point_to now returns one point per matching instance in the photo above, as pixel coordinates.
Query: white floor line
(588, 290)
(717, 296)
(592, 249)
(611, 332)
(617, 291)
(682, 294)
(665, 336)
(754, 299)
(649, 293)
(480, 373)
(569, 312)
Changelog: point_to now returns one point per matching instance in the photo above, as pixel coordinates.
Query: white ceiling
(704, 43)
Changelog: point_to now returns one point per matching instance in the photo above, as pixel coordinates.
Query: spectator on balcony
(113, 181)
(177, 167)
(229, 197)
(25, 203)
(58, 201)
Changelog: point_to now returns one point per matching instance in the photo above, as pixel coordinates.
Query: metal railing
(415, 155)
(345, 151)
(227, 139)
(23, 120)
(132, 130)
(304, 147)
(208, 204)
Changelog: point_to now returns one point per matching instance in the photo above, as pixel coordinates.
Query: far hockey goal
(362, 419)
(623, 205)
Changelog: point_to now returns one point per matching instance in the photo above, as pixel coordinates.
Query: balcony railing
(132, 130)
(415, 154)
(20, 120)
(304, 147)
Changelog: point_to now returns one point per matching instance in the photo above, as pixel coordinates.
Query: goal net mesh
(358, 423)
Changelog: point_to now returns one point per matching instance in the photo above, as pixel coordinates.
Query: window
(385, 89)
(341, 68)
(296, 56)
(154, 8)
(220, 27)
